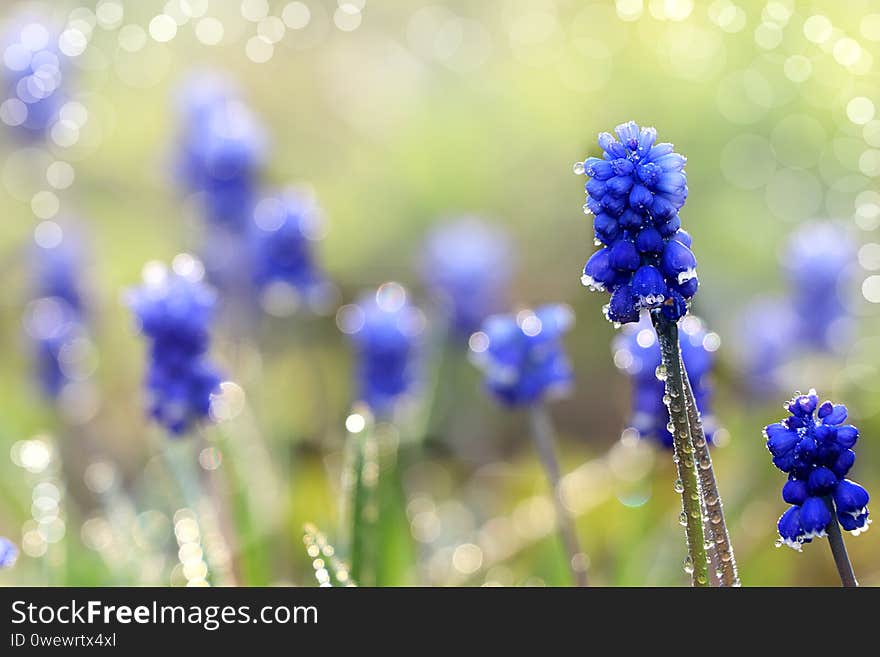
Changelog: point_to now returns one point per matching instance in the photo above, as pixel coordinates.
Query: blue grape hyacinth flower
(286, 226)
(466, 265)
(174, 310)
(814, 447)
(818, 262)
(385, 330)
(636, 351)
(8, 553)
(221, 150)
(635, 191)
(55, 319)
(33, 77)
(522, 356)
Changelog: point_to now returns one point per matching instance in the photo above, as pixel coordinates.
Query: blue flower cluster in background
(8, 553)
(56, 318)
(635, 192)
(33, 76)
(810, 317)
(174, 311)
(818, 263)
(637, 352)
(466, 265)
(221, 150)
(385, 330)
(814, 446)
(284, 269)
(522, 356)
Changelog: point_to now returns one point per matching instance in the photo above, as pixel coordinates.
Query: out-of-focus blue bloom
(56, 317)
(522, 355)
(635, 192)
(33, 74)
(174, 312)
(637, 352)
(385, 330)
(767, 338)
(286, 225)
(466, 265)
(814, 446)
(221, 149)
(8, 553)
(818, 263)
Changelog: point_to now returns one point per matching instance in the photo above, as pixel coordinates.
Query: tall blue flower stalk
(637, 352)
(34, 72)
(813, 447)
(466, 266)
(174, 310)
(8, 553)
(818, 264)
(636, 189)
(524, 363)
(386, 331)
(286, 275)
(219, 160)
(56, 318)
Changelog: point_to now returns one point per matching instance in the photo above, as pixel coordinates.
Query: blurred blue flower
(174, 312)
(33, 75)
(635, 192)
(767, 338)
(637, 352)
(385, 331)
(818, 263)
(221, 149)
(466, 265)
(814, 446)
(8, 553)
(56, 317)
(522, 355)
(286, 225)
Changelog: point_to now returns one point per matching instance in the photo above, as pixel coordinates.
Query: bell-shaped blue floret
(795, 492)
(815, 517)
(649, 286)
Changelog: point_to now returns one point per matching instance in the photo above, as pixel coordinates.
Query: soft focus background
(401, 115)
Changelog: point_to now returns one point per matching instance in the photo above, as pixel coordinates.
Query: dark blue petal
(649, 240)
(598, 273)
(623, 307)
(780, 439)
(844, 463)
(631, 220)
(649, 286)
(678, 262)
(625, 256)
(821, 481)
(641, 198)
(795, 491)
(850, 497)
(847, 435)
(814, 517)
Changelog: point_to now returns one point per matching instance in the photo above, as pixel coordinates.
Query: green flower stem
(543, 434)
(691, 498)
(722, 549)
(838, 549)
(362, 518)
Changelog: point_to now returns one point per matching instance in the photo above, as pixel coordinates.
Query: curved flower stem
(543, 435)
(722, 548)
(691, 497)
(838, 549)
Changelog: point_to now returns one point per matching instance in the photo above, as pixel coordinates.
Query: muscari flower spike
(33, 73)
(522, 356)
(286, 226)
(8, 553)
(174, 310)
(818, 263)
(466, 265)
(56, 317)
(637, 352)
(222, 149)
(814, 446)
(635, 192)
(385, 330)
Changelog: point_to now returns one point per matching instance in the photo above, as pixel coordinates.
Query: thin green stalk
(838, 549)
(683, 455)
(363, 510)
(543, 435)
(722, 549)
